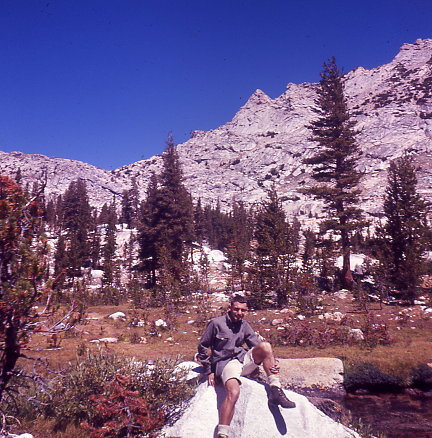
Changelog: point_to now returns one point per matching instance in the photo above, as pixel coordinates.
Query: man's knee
(232, 387)
(263, 349)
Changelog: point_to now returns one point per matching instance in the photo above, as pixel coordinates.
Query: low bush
(422, 377)
(69, 399)
(368, 376)
(375, 333)
(90, 391)
(303, 334)
(120, 412)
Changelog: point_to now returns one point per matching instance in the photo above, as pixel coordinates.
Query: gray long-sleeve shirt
(225, 339)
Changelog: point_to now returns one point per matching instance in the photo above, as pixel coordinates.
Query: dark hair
(238, 299)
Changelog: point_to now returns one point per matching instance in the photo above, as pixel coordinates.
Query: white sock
(274, 380)
(223, 429)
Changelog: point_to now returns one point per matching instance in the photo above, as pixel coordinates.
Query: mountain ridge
(267, 139)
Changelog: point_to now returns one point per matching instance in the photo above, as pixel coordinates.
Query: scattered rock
(161, 323)
(301, 317)
(277, 321)
(335, 316)
(105, 340)
(117, 316)
(288, 312)
(356, 334)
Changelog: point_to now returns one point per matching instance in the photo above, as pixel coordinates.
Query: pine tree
(23, 257)
(167, 232)
(109, 249)
(403, 237)
(77, 220)
(274, 252)
(129, 205)
(238, 249)
(308, 250)
(335, 162)
(147, 237)
(199, 221)
(95, 242)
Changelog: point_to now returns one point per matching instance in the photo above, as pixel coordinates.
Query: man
(228, 360)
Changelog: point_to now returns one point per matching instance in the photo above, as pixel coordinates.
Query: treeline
(270, 256)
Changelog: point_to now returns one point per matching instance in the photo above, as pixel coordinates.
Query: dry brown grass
(410, 346)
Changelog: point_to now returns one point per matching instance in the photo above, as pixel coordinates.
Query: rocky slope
(267, 140)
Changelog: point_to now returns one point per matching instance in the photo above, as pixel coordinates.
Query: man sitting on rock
(228, 359)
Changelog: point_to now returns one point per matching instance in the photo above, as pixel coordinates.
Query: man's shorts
(234, 368)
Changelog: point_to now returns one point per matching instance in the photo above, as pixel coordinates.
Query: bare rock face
(253, 418)
(312, 375)
(266, 141)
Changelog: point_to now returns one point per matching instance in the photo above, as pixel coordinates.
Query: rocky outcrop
(266, 141)
(253, 417)
(322, 375)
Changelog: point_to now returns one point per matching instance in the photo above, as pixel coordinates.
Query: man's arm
(204, 344)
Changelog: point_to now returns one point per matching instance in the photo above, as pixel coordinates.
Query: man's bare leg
(263, 353)
(232, 387)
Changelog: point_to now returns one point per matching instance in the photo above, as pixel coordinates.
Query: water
(396, 415)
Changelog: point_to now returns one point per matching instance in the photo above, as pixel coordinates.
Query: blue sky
(104, 81)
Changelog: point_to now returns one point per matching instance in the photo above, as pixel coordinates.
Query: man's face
(238, 311)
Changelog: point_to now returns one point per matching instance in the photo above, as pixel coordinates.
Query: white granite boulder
(317, 373)
(117, 316)
(253, 417)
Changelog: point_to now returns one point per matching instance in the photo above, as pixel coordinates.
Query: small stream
(396, 415)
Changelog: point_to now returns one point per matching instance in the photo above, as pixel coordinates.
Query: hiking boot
(278, 397)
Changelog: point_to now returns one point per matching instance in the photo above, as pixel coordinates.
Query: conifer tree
(23, 257)
(274, 252)
(129, 205)
(335, 162)
(109, 249)
(238, 249)
(308, 250)
(95, 242)
(167, 231)
(77, 220)
(199, 221)
(403, 236)
(148, 232)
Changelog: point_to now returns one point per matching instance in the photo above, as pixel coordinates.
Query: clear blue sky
(104, 81)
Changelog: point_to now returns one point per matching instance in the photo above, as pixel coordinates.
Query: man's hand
(211, 379)
(275, 368)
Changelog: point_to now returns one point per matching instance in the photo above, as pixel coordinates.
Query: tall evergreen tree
(77, 220)
(238, 249)
(274, 252)
(129, 205)
(199, 220)
(147, 237)
(308, 250)
(403, 236)
(167, 232)
(109, 250)
(23, 263)
(335, 162)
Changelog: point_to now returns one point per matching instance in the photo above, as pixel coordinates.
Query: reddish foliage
(122, 413)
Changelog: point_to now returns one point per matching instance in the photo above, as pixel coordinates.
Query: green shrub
(158, 386)
(368, 376)
(422, 377)
(70, 396)
(162, 385)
